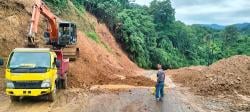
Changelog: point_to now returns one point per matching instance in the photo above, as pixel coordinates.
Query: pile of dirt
(227, 76)
(98, 65)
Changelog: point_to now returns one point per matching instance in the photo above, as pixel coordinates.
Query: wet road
(133, 99)
(141, 99)
(138, 100)
(173, 103)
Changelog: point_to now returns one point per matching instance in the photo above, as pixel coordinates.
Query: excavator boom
(38, 9)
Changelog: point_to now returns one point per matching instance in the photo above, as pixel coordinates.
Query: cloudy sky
(222, 12)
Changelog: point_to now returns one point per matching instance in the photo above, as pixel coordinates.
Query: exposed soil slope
(14, 19)
(104, 62)
(227, 76)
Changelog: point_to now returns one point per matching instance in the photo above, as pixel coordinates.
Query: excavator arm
(38, 9)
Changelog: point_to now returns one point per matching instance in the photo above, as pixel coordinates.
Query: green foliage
(106, 47)
(93, 36)
(230, 35)
(57, 6)
(79, 5)
(234, 43)
(163, 13)
(137, 32)
(151, 35)
(60, 6)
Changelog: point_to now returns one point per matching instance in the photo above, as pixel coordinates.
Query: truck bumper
(27, 92)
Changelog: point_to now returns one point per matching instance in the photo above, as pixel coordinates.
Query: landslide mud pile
(227, 76)
(100, 65)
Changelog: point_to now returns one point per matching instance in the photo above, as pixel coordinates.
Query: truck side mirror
(46, 34)
(58, 63)
(1, 62)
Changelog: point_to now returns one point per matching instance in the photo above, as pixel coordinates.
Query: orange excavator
(60, 35)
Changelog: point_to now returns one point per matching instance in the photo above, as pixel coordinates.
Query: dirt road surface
(127, 99)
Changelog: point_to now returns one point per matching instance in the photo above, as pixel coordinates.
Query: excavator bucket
(71, 53)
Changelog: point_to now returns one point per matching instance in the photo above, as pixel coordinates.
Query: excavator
(59, 35)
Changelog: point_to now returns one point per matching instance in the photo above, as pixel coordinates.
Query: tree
(230, 35)
(137, 32)
(163, 13)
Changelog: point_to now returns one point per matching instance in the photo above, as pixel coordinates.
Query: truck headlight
(45, 84)
(10, 85)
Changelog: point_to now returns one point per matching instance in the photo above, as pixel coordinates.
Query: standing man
(159, 94)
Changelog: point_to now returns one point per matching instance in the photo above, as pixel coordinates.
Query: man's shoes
(160, 99)
(157, 99)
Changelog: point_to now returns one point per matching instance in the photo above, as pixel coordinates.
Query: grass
(78, 6)
(107, 47)
(96, 38)
(93, 36)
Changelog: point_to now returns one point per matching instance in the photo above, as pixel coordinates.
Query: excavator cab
(67, 40)
(68, 37)
(67, 34)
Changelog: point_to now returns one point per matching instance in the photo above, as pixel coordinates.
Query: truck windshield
(29, 60)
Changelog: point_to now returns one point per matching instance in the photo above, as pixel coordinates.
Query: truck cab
(34, 72)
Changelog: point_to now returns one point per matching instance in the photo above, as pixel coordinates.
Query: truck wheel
(65, 83)
(59, 84)
(15, 98)
(52, 95)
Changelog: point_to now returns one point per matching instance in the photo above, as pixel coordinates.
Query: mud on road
(72, 100)
(109, 99)
(134, 100)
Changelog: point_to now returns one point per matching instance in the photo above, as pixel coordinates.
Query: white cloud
(209, 11)
(212, 11)
(143, 2)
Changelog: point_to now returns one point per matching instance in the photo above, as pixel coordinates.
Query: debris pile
(227, 76)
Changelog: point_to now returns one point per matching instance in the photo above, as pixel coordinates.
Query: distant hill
(212, 26)
(242, 27)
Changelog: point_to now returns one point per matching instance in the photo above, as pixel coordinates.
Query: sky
(223, 12)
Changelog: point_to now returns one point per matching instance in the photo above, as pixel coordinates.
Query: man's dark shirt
(160, 76)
